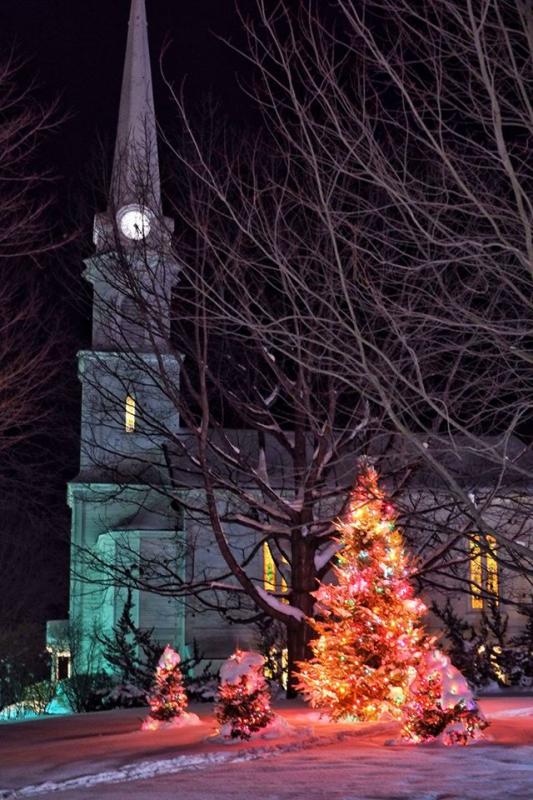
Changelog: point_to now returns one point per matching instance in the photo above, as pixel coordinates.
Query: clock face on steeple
(135, 221)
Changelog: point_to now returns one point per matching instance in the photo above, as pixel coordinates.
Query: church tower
(119, 513)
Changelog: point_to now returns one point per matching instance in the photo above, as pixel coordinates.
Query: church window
(273, 580)
(269, 568)
(276, 667)
(491, 566)
(484, 578)
(130, 414)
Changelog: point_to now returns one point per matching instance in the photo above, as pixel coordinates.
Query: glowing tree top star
(369, 636)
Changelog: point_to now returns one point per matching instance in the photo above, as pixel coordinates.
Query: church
(124, 509)
(109, 501)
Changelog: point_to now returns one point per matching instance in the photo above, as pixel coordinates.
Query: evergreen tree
(369, 635)
(168, 699)
(372, 656)
(131, 652)
(243, 706)
(522, 645)
(440, 704)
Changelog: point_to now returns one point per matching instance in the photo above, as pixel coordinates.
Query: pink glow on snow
(316, 760)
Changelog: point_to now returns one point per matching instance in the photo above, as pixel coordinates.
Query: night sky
(73, 52)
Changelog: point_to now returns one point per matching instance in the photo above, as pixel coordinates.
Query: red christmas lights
(371, 651)
(168, 699)
(243, 706)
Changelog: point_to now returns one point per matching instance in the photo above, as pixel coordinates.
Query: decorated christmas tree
(243, 705)
(167, 699)
(371, 655)
(369, 635)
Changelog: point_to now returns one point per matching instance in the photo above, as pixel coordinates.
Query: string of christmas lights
(371, 652)
(243, 704)
(440, 704)
(168, 699)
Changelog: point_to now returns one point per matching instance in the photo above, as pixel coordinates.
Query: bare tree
(404, 132)
(357, 282)
(30, 344)
(426, 110)
(268, 447)
(27, 344)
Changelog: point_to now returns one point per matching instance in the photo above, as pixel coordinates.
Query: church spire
(135, 175)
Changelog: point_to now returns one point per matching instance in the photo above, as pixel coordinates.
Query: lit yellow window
(273, 580)
(483, 570)
(476, 573)
(492, 567)
(129, 415)
(269, 568)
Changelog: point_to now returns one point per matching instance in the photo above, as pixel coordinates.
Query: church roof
(491, 463)
(236, 453)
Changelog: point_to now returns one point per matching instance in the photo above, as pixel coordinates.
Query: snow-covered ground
(107, 756)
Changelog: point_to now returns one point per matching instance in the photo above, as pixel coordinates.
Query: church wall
(215, 637)
(107, 380)
(99, 543)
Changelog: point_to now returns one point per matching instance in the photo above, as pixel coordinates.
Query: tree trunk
(303, 583)
(298, 636)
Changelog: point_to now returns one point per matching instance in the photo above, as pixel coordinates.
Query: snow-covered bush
(243, 701)
(123, 695)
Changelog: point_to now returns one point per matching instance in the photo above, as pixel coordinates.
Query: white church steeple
(135, 174)
(135, 209)
(133, 270)
(119, 512)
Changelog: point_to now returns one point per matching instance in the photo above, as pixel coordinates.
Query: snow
(25, 711)
(526, 711)
(104, 756)
(272, 396)
(277, 728)
(285, 608)
(18, 712)
(325, 554)
(169, 658)
(184, 720)
(239, 665)
(269, 355)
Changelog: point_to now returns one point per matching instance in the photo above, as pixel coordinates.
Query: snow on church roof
(237, 454)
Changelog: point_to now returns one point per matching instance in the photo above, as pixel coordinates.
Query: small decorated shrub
(243, 705)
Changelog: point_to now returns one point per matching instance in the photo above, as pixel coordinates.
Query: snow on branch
(325, 554)
(279, 606)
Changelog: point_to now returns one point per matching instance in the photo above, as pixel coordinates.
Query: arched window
(483, 570)
(273, 579)
(276, 667)
(129, 414)
(269, 568)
